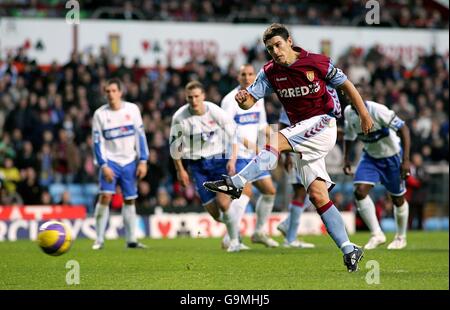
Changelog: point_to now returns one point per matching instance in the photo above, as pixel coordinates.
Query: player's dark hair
(193, 85)
(115, 81)
(275, 30)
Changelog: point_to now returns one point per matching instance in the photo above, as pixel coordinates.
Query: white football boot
(298, 244)
(97, 245)
(375, 241)
(398, 243)
(264, 239)
(235, 246)
(225, 242)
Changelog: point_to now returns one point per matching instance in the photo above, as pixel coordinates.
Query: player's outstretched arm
(244, 99)
(355, 98)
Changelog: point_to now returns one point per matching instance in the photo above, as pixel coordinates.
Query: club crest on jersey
(310, 75)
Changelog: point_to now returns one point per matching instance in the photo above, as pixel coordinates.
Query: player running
(383, 160)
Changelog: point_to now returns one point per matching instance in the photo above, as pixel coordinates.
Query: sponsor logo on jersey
(118, 132)
(299, 91)
(247, 118)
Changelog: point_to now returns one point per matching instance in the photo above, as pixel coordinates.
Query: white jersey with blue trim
(249, 122)
(382, 141)
(201, 136)
(119, 135)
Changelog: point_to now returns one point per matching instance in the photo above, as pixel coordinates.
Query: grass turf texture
(187, 264)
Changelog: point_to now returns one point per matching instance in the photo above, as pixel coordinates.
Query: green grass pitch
(187, 264)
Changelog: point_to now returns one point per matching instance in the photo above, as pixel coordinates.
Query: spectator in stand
(29, 188)
(66, 156)
(46, 198)
(416, 185)
(27, 157)
(420, 14)
(65, 199)
(10, 175)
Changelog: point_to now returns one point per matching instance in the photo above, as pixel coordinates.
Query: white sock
(101, 215)
(237, 208)
(366, 209)
(264, 207)
(232, 226)
(129, 221)
(265, 160)
(401, 218)
(220, 218)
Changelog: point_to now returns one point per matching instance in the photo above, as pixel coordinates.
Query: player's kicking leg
(313, 148)
(265, 160)
(318, 192)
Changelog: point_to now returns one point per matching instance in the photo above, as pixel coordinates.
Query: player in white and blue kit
(385, 159)
(201, 133)
(300, 200)
(121, 152)
(251, 127)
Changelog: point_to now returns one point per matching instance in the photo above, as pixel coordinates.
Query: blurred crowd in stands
(393, 13)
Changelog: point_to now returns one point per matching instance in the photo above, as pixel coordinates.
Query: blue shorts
(124, 176)
(387, 171)
(241, 163)
(203, 170)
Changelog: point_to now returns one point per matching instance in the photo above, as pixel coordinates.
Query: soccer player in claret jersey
(385, 159)
(304, 83)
